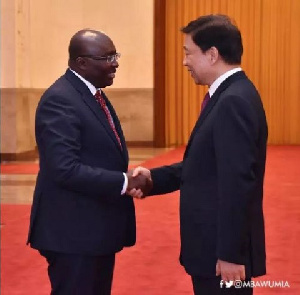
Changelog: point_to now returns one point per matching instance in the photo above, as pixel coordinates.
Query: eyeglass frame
(109, 58)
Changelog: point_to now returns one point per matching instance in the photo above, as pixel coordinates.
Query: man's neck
(214, 86)
(222, 69)
(90, 86)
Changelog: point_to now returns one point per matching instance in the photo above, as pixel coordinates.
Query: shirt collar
(214, 86)
(89, 85)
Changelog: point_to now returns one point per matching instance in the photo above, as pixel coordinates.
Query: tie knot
(100, 98)
(207, 96)
(205, 100)
(98, 93)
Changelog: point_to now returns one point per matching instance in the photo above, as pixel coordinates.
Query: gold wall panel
(271, 38)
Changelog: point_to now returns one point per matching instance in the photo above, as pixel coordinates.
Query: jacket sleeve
(235, 135)
(166, 179)
(58, 133)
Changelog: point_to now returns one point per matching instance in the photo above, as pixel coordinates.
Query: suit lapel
(99, 113)
(211, 103)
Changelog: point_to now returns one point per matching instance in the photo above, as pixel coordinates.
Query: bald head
(86, 42)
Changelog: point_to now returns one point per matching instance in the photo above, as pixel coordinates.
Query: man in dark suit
(81, 215)
(222, 172)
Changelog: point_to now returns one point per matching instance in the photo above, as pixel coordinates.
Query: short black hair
(219, 31)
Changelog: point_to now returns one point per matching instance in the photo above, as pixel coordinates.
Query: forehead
(104, 48)
(100, 45)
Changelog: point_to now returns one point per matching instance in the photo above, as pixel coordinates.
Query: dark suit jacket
(77, 205)
(221, 182)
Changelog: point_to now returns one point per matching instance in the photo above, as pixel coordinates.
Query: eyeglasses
(109, 58)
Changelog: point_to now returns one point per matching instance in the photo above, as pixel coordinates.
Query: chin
(103, 85)
(107, 83)
(197, 82)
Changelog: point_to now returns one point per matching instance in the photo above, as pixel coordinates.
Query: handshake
(139, 182)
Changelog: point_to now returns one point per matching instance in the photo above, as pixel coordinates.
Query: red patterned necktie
(205, 101)
(101, 101)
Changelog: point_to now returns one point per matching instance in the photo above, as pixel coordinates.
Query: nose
(115, 63)
(184, 62)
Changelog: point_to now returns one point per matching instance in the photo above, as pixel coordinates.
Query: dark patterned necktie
(205, 101)
(101, 101)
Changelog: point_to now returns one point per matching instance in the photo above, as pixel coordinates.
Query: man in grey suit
(222, 172)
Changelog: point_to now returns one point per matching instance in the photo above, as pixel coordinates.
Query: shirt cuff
(125, 185)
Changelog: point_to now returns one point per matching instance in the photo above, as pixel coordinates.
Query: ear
(214, 55)
(81, 63)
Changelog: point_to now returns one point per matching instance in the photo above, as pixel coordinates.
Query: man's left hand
(230, 271)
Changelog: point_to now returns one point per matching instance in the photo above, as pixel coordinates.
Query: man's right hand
(139, 182)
